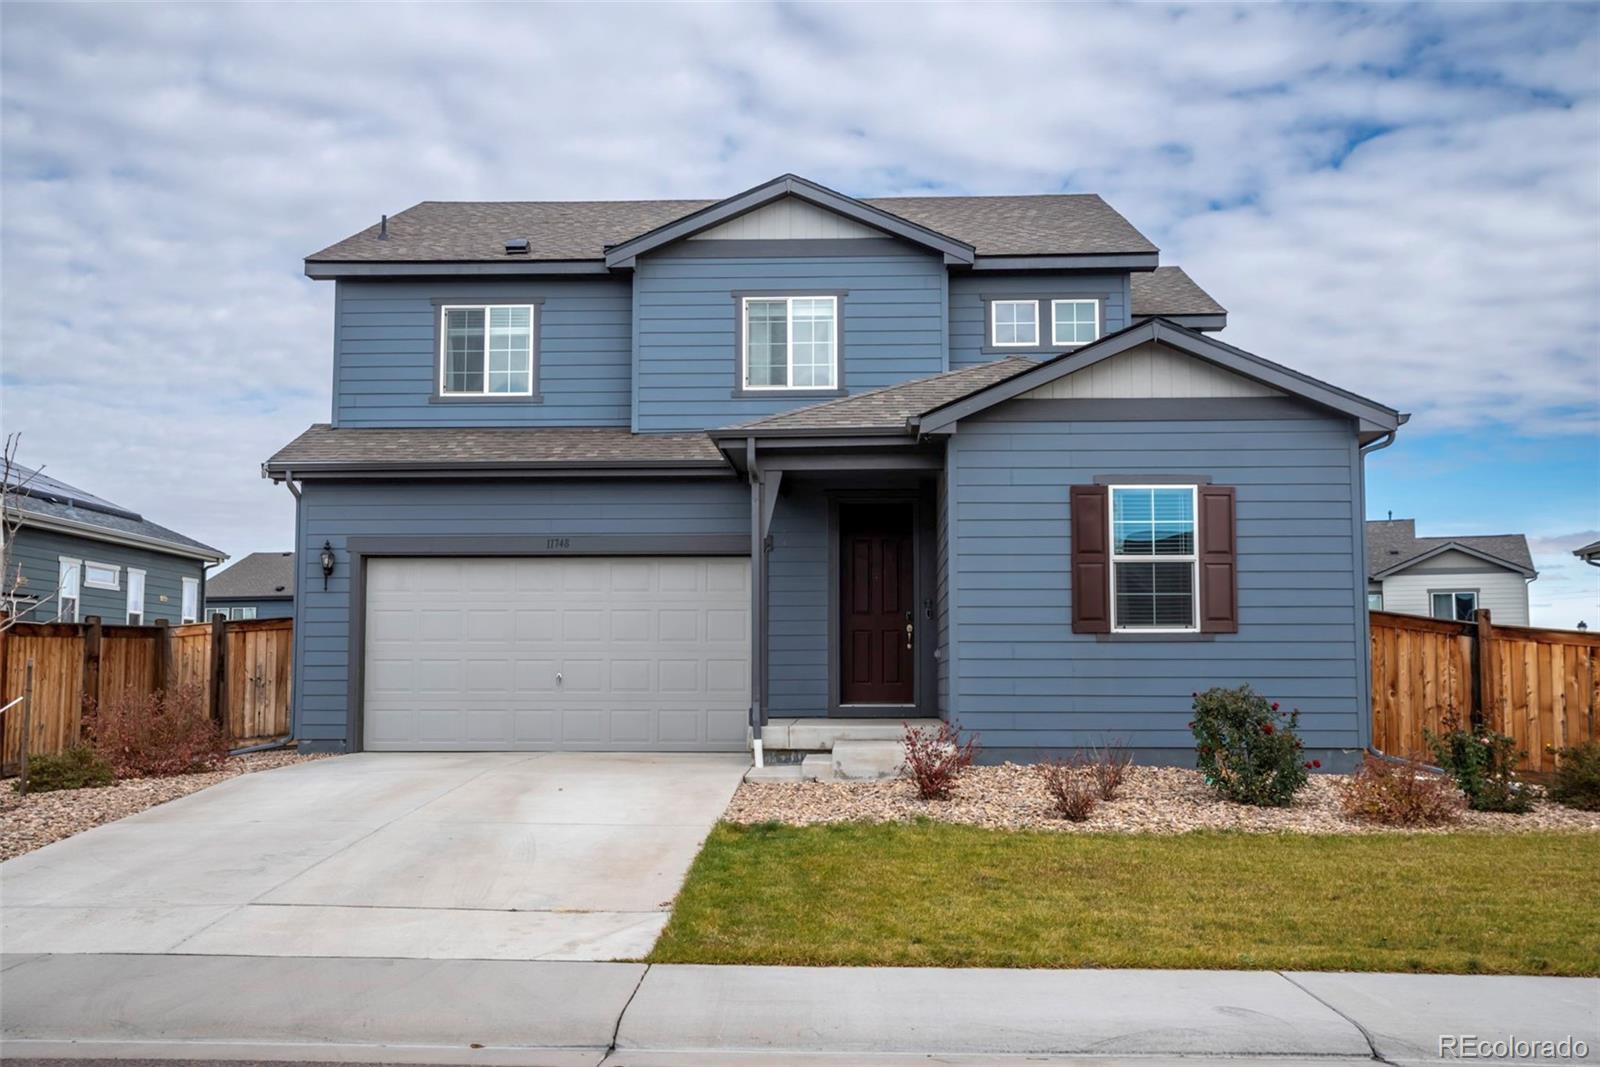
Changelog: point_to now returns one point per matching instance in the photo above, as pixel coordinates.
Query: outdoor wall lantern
(327, 563)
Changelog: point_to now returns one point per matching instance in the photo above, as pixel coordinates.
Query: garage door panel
(652, 654)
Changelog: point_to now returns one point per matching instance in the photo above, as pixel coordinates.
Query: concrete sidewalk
(300, 1009)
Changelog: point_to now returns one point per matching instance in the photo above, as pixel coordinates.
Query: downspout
(1380, 444)
(757, 601)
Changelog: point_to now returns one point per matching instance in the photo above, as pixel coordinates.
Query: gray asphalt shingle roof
(322, 446)
(1394, 542)
(50, 498)
(459, 231)
(258, 576)
(1170, 291)
(889, 408)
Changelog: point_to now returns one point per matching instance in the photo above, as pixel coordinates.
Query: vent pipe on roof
(383, 228)
(517, 246)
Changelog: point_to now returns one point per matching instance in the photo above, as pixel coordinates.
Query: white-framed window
(242, 613)
(101, 575)
(486, 350)
(1154, 559)
(190, 608)
(1453, 604)
(1014, 323)
(135, 597)
(1374, 601)
(67, 590)
(790, 342)
(1074, 322)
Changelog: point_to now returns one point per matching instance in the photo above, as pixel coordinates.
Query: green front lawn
(934, 894)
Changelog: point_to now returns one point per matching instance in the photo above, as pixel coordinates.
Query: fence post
(27, 723)
(1483, 682)
(163, 654)
(219, 672)
(91, 671)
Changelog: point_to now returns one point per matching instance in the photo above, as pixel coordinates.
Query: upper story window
(1153, 559)
(1454, 604)
(1074, 322)
(790, 342)
(1015, 323)
(486, 350)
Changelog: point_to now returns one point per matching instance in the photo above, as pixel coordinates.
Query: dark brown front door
(876, 658)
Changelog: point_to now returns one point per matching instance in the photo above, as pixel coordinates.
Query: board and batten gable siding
(1503, 592)
(893, 326)
(788, 219)
(969, 326)
(385, 363)
(1027, 683)
(1150, 371)
(337, 511)
(39, 553)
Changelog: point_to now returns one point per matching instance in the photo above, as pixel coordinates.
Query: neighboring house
(258, 586)
(1589, 553)
(74, 555)
(652, 474)
(1447, 577)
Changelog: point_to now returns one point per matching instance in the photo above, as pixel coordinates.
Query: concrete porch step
(775, 772)
(867, 759)
(821, 734)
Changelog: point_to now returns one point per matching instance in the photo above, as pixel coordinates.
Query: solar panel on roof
(41, 486)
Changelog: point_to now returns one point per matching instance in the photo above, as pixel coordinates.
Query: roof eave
(1135, 261)
(118, 537)
(623, 255)
(334, 270)
(1371, 414)
(281, 471)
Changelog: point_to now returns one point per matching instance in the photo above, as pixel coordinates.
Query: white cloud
(166, 167)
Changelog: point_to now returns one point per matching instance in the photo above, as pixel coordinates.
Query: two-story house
(1448, 577)
(649, 475)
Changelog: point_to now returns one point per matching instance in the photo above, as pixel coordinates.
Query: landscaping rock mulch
(1159, 800)
(37, 819)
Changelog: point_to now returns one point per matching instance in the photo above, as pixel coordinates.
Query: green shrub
(1247, 749)
(1483, 763)
(76, 768)
(1577, 781)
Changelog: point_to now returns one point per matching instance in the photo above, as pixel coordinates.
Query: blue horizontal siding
(35, 556)
(336, 511)
(384, 363)
(1025, 681)
(893, 325)
(968, 328)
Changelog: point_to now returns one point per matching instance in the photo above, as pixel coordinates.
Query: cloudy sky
(1403, 200)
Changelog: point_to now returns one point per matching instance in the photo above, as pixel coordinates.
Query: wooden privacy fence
(242, 667)
(1540, 686)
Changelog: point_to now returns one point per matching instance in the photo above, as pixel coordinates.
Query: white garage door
(606, 653)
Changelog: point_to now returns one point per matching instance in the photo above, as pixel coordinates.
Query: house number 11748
(558, 542)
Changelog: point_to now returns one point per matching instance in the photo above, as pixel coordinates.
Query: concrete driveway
(498, 856)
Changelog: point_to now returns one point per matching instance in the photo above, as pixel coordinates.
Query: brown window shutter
(1091, 560)
(1219, 561)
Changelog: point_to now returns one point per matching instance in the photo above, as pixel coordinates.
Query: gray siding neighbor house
(258, 586)
(1448, 577)
(669, 475)
(75, 554)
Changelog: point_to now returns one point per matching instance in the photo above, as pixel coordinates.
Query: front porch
(826, 749)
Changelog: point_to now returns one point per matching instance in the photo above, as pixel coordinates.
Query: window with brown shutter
(1091, 560)
(1219, 561)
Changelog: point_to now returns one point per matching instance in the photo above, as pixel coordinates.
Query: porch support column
(758, 583)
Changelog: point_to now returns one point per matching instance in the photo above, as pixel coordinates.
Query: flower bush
(1074, 786)
(1247, 749)
(1483, 763)
(1403, 793)
(935, 759)
(151, 735)
(1577, 780)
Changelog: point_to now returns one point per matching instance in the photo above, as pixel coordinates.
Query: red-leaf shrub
(1110, 767)
(1074, 788)
(1401, 794)
(153, 735)
(936, 758)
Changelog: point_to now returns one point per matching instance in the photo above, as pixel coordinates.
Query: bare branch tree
(15, 483)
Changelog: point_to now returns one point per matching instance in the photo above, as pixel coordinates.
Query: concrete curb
(321, 1009)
